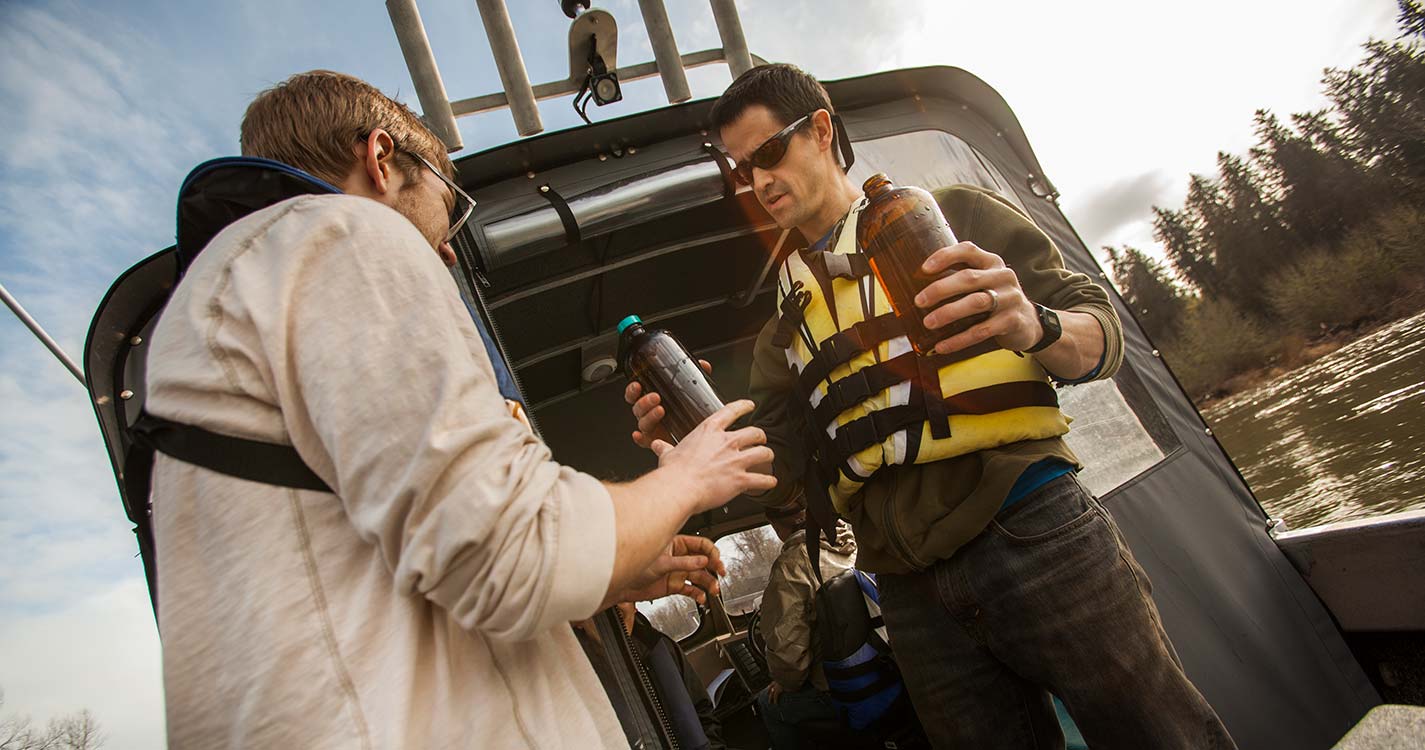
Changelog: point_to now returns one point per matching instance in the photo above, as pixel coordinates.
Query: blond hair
(311, 121)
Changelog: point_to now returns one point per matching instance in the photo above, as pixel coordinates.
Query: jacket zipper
(893, 535)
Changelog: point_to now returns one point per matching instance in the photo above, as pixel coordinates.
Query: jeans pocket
(1055, 509)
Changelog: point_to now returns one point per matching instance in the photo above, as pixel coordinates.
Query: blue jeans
(791, 709)
(1047, 598)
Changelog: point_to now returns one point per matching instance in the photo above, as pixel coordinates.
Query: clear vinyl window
(748, 556)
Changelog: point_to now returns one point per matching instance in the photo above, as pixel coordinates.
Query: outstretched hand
(689, 566)
(715, 465)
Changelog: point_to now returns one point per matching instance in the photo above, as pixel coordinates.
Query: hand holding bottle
(715, 465)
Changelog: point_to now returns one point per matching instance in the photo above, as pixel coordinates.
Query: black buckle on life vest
(843, 346)
(840, 265)
(860, 434)
(862, 384)
(793, 312)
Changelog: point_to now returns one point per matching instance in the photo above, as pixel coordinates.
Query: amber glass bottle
(899, 228)
(662, 365)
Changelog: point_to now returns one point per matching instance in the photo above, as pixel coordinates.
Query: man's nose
(761, 179)
(446, 253)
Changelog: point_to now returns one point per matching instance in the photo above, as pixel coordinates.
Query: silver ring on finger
(994, 300)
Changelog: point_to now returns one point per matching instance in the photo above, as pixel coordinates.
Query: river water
(1339, 438)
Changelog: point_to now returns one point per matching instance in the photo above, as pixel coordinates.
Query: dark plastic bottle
(899, 228)
(662, 365)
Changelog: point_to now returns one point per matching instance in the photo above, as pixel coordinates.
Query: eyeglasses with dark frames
(770, 153)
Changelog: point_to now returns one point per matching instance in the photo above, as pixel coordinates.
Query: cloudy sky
(106, 105)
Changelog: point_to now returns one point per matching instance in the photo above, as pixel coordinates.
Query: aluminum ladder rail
(520, 96)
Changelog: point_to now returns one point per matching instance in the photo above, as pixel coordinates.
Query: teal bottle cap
(626, 322)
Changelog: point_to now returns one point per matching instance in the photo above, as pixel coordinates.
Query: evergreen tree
(1157, 303)
(1381, 105)
(1178, 233)
(1321, 195)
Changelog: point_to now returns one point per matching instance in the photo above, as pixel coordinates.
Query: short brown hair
(311, 120)
(786, 90)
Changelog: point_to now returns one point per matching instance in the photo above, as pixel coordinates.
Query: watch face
(1049, 320)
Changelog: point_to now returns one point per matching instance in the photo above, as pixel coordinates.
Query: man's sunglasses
(770, 153)
(464, 204)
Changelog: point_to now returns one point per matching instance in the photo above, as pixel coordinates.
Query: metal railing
(520, 96)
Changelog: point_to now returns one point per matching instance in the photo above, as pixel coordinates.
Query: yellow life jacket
(872, 400)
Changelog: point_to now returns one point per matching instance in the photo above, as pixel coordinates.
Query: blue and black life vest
(861, 673)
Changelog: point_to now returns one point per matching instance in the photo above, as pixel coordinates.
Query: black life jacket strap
(860, 434)
(937, 413)
(861, 385)
(253, 460)
(843, 346)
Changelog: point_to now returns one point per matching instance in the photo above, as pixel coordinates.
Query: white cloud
(109, 664)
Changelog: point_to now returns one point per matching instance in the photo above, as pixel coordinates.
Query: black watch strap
(1049, 321)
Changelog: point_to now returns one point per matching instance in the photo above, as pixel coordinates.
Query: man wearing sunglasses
(1001, 579)
(423, 600)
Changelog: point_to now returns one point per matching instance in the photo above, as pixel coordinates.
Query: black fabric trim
(729, 185)
(252, 460)
(138, 482)
(572, 234)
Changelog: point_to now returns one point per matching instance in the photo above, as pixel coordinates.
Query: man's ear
(378, 159)
(823, 129)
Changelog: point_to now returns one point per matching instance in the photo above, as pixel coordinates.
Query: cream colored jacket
(425, 604)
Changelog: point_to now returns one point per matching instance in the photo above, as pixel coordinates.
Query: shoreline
(1301, 354)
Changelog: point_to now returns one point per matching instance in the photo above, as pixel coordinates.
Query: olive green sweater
(908, 517)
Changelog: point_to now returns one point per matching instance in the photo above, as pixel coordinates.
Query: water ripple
(1338, 438)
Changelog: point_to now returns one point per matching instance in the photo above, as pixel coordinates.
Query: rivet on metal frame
(126, 394)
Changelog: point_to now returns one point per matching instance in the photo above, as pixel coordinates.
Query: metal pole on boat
(729, 29)
(510, 63)
(40, 334)
(665, 50)
(420, 60)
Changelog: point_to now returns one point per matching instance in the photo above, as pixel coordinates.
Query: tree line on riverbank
(1318, 229)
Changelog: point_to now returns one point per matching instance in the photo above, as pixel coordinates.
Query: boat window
(929, 159)
(748, 556)
(675, 616)
(1117, 431)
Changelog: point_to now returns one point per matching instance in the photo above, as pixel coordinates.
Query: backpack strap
(253, 460)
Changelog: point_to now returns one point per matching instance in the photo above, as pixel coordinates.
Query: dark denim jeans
(1047, 598)
(791, 709)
